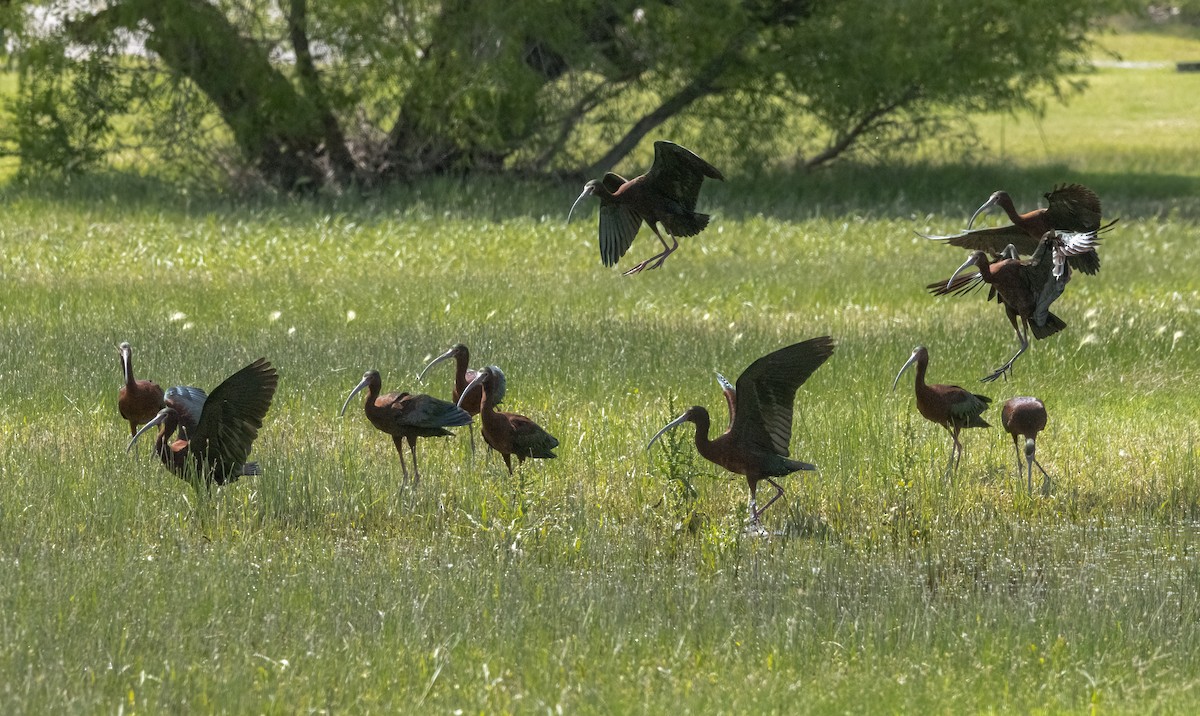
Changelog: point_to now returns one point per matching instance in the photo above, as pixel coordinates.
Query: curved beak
(362, 384)
(434, 362)
(674, 423)
(911, 359)
(478, 379)
(126, 354)
(986, 205)
(587, 191)
(154, 422)
(960, 269)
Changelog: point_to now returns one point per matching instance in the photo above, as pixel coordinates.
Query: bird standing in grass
(138, 400)
(406, 417)
(1025, 417)
(463, 375)
(508, 433)
(761, 406)
(950, 406)
(214, 447)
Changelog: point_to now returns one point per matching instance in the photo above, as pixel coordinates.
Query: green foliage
(62, 118)
(553, 85)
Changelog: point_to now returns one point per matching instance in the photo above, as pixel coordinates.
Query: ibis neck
(460, 371)
(703, 444)
(920, 373)
(487, 403)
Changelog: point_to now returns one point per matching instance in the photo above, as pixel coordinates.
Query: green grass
(590, 583)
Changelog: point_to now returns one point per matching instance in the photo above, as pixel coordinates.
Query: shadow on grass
(872, 191)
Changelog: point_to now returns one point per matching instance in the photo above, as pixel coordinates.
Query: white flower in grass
(189, 326)
(1175, 339)
(177, 316)
(275, 315)
(350, 315)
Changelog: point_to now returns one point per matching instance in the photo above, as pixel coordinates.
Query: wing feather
(619, 225)
(678, 173)
(766, 393)
(1073, 207)
(233, 414)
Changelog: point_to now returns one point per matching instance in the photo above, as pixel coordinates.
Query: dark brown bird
(1071, 208)
(756, 443)
(216, 446)
(665, 195)
(463, 375)
(950, 406)
(1025, 288)
(406, 417)
(508, 433)
(1026, 417)
(138, 400)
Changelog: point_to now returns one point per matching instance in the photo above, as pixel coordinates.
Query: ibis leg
(656, 260)
(1005, 370)
(412, 447)
(399, 441)
(1018, 449)
(778, 494)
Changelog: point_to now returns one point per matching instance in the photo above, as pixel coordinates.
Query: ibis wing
(529, 436)
(612, 182)
(233, 414)
(426, 411)
(966, 407)
(188, 402)
(678, 173)
(1073, 207)
(766, 392)
(960, 286)
(619, 225)
(992, 240)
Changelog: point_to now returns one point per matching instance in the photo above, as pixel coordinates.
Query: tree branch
(310, 80)
(847, 139)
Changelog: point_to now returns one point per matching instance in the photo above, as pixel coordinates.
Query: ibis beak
(911, 359)
(126, 353)
(362, 384)
(986, 205)
(478, 379)
(154, 422)
(587, 191)
(959, 270)
(434, 362)
(674, 423)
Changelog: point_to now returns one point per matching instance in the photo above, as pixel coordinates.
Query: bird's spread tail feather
(1053, 325)
(686, 224)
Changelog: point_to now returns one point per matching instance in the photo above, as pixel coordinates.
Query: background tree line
(306, 95)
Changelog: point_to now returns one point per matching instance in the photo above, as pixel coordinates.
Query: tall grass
(595, 582)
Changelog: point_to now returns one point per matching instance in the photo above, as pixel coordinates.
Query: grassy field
(593, 583)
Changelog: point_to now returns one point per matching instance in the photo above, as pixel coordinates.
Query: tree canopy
(345, 92)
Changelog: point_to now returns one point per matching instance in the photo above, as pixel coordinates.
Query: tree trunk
(278, 130)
